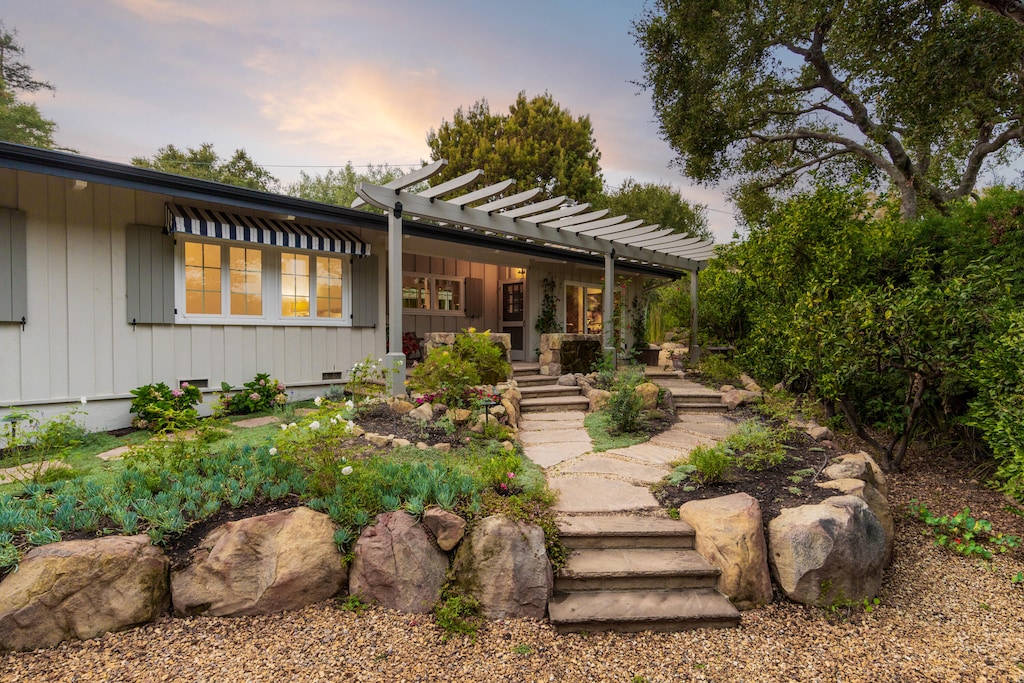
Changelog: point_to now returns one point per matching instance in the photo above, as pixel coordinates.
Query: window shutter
(364, 291)
(474, 297)
(13, 266)
(149, 261)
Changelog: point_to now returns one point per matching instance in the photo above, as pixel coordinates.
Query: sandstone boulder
(648, 392)
(828, 553)
(397, 565)
(280, 561)
(734, 398)
(568, 380)
(422, 412)
(447, 527)
(503, 564)
(598, 399)
(819, 433)
(730, 535)
(460, 415)
(875, 500)
(401, 406)
(82, 589)
(511, 411)
(859, 466)
(749, 383)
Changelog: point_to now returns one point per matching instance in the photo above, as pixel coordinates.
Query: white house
(113, 276)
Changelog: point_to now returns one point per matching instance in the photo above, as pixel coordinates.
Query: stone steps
(534, 380)
(635, 573)
(548, 390)
(554, 404)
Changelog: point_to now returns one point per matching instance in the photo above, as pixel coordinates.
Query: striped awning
(287, 234)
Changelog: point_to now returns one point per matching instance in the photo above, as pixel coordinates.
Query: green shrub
(757, 446)
(31, 441)
(368, 382)
(451, 372)
(625, 406)
(458, 614)
(711, 464)
(159, 408)
(261, 393)
(717, 369)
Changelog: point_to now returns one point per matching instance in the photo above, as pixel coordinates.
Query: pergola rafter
(556, 223)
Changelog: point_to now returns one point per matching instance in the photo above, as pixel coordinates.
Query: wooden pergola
(558, 223)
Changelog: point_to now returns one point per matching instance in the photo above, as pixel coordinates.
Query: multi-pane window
(294, 286)
(328, 287)
(432, 293)
(202, 278)
(246, 276)
(259, 282)
(583, 309)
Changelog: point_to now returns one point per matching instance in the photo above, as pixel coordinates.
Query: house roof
(78, 167)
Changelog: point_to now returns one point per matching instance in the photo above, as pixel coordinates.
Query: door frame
(516, 354)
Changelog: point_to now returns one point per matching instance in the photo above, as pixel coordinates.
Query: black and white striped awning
(279, 233)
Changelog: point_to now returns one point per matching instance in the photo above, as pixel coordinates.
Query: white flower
(314, 425)
(380, 360)
(83, 400)
(273, 451)
(350, 404)
(334, 420)
(317, 401)
(346, 470)
(284, 427)
(292, 425)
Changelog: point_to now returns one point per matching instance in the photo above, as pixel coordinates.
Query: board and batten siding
(78, 340)
(480, 296)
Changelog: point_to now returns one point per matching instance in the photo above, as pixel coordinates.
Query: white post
(608, 316)
(395, 359)
(694, 347)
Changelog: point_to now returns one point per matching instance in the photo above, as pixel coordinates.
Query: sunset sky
(311, 84)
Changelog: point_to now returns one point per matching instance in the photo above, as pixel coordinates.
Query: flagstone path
(618, 480)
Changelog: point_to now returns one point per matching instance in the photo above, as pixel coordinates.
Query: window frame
(271, 277)
(431, 283)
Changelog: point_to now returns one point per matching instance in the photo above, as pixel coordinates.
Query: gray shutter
(364, 291)
(474, 297)
(13, 266)
(149, 261)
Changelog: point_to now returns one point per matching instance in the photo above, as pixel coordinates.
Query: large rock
(422, 412)
(503, 564)
(568, 380)
(859, 466)
(734, 398)
(397, 565)
(875, 500)
(82, 589)
(280, 561)
(829, 553)
(730, 535)
(598, 399)
(648, 392)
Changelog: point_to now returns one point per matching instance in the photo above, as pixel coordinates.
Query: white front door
(512, 300)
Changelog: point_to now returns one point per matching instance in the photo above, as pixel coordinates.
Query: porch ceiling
(557, 223)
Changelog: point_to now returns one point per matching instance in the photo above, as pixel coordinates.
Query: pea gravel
(941, 618)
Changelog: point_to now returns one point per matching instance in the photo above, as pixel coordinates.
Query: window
(432, 293)
(583, 306)
(246, 275)
(265, 283)
(202, 278)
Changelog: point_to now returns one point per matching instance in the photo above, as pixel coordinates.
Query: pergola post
(608, 316)
(395, 359)
(694, 346)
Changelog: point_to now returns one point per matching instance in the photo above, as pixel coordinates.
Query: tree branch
(851, 145)
(982, 148)
(777, 180)
(1011, 9)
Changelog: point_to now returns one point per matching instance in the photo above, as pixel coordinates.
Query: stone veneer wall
(551, 350)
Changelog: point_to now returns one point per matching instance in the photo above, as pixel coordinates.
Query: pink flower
(176, 393)
(184, 385)
(263, 382)
(254, 396)
(511, 475)
(503, 487)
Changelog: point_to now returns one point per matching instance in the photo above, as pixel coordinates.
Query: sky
(312, 84)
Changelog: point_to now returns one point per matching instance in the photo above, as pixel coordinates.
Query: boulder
(511, 411)
(568, 380)
(482, 420)
(648, 392)
(859, 466)
(422, 412)
(400, 406)
(442, 447)
(397, 565)
(503, 564)
(82, 589)
(379, 440)
(829, 553)
(819, 433)
(400, 443)
(875, 500)
(730, 535)
(734, 398)
(448, 528)
(749, 383)
(281, 561)
(460, 415)
(598, 399)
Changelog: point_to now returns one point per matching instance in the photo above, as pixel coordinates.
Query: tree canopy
(21, 122)
(923, 94)
(538, 143)
(339, 187)
(204, 163)
(656, 204)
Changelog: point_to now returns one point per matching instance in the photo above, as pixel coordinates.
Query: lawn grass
(598, 427)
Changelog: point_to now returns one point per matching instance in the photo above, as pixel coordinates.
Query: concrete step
(554, 404)
(694, 407)
(535, 380)
(656, 373)
(624, 531)
(632, 611)
(635, 570)
(521, 367)
(546, 390)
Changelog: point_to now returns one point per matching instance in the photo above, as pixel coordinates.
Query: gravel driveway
(941, 618)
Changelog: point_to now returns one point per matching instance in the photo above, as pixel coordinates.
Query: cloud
(172, 11)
